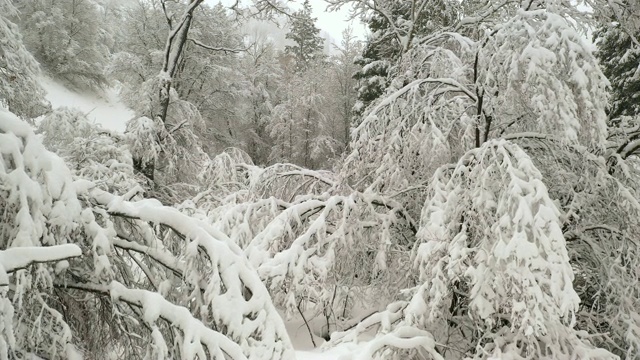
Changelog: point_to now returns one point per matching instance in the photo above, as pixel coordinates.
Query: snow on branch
(288, 181)
(402, 337)
(40, 214)
(198, 341)
(18, 258)
(216, 48)
(218, 271)
(532, 52)
(491, 224)
(347, 239)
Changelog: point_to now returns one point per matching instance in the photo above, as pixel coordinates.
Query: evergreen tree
(388, 41)
(377, 56)
(308, 44)
(620, 57)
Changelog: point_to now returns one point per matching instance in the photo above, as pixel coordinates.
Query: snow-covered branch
(229, 277)
(198, 342)
(215, 48)
(17, 258)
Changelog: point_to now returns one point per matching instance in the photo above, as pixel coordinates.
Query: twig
(307, 324)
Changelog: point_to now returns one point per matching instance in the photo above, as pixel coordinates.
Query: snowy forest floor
(107, 110)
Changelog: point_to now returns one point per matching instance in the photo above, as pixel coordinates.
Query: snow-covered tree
(193, 97)
(393, 26)
(68, 38)
(147, 278)
(19, 87)
(345, 84)
(619, 56)
(208, 77)
(307, 43)
(263, 77)
(299, 124)
(618, 53)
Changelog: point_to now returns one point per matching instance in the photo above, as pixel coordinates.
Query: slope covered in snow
(107, 110)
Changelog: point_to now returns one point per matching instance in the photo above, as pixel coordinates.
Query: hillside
(106, 109)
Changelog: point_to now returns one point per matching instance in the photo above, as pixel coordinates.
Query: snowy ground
(112, 114)
(106, 110)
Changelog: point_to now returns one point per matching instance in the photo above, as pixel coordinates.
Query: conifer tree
(308, 44)
(619, 57)
(382, 50)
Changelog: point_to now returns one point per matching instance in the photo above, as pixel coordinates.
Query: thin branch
(307, 324)
(165, 259)
(216, 48)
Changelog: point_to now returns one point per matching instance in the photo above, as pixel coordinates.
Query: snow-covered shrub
(91, 152)
(63, 126)
(38, 221)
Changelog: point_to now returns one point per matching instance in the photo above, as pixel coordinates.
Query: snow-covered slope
(107, 111)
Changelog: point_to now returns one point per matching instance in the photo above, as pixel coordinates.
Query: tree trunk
(172, 52)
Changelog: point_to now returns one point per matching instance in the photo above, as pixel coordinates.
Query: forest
(463, 183)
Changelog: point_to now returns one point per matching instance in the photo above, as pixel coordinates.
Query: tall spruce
(308, 44)
(388, 41)
(619, 58)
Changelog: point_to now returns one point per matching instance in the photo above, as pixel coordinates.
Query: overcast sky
(335, 22)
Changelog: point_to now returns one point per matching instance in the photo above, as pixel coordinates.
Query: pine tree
(619, 57)
(308, 45)
(393, 29)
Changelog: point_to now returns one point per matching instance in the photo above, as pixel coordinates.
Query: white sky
(331, 24)
(334, 23)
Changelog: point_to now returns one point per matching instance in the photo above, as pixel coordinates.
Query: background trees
(263, 78)
(19, 89)
(301, 124)
(68, 38)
